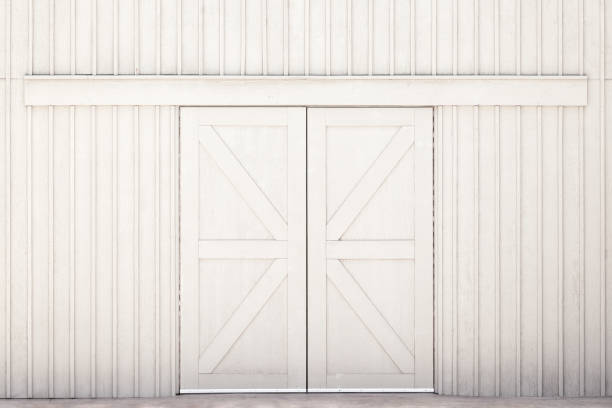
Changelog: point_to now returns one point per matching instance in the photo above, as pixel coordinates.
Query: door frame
(315, 390)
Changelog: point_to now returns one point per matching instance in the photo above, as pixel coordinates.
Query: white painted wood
(305, 91)
(242, 249)
(370, 275)
(370, 249)
(212, 354)
(242, 181)
(89, 37)
(371, 182)
(243, 265)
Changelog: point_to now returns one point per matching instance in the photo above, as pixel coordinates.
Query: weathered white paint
(475, 342)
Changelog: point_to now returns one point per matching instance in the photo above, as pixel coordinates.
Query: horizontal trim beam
(370, 249)
(242, 249)
(44, 90)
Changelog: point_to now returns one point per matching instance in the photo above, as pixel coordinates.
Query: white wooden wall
(87, 197)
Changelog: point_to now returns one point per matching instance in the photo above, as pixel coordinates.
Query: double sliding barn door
(306, 249)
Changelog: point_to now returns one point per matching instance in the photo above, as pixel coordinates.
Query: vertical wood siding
(88, 195)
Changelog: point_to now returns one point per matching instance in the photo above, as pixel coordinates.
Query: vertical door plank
(296, 248)
(317, 267)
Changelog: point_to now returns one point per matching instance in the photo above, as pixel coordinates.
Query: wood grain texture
(473, 37)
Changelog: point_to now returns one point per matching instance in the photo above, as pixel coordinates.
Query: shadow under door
(306, 247)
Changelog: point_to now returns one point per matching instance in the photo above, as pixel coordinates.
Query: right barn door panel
(370, 257)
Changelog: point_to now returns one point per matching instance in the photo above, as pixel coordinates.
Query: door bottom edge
(372, 390)
(241, 390)
(302, 390)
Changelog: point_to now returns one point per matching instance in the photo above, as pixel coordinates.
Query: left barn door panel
(243, 249)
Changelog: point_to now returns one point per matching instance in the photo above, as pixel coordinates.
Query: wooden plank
(317, 259)
(296, 248)
(370, 249)
(307, 91)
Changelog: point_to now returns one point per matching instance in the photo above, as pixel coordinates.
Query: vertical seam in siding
(582, 313)
(136, 124)
(476, 149)
(434, 37)
(327, 55)
(72, 288)
(540, 277)
(94, 37)
(560, 249)
(518, 271)
(285, 37)
(200, 35)
(115, 37)
(476, 37)
(115, 227)
(51, 37)
(539, 36)
(72, 37)
(440, 279)
(391, 37)
(136, 37)
(455, 35)
(158, 33)
(497, 263)
(412, 38)
(602, 197)
(30, 38)
(179, 37)
(540, 288)
(560, 36)
(518, 226)
(157, 251)
(517, 40)
(173, 311)
(455, 252)
(370, 36)
(221, 37)
(51, 264)
(496, 38)
(306, 37)
(264, 36)
(94, 253)
(8, 205)
(349, 36)
(561, 236)
(29, 303)
(242, 37)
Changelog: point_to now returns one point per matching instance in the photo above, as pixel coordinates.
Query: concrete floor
(312, 400)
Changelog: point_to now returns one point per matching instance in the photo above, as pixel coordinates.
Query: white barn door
(243, 249)
(370, 249)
